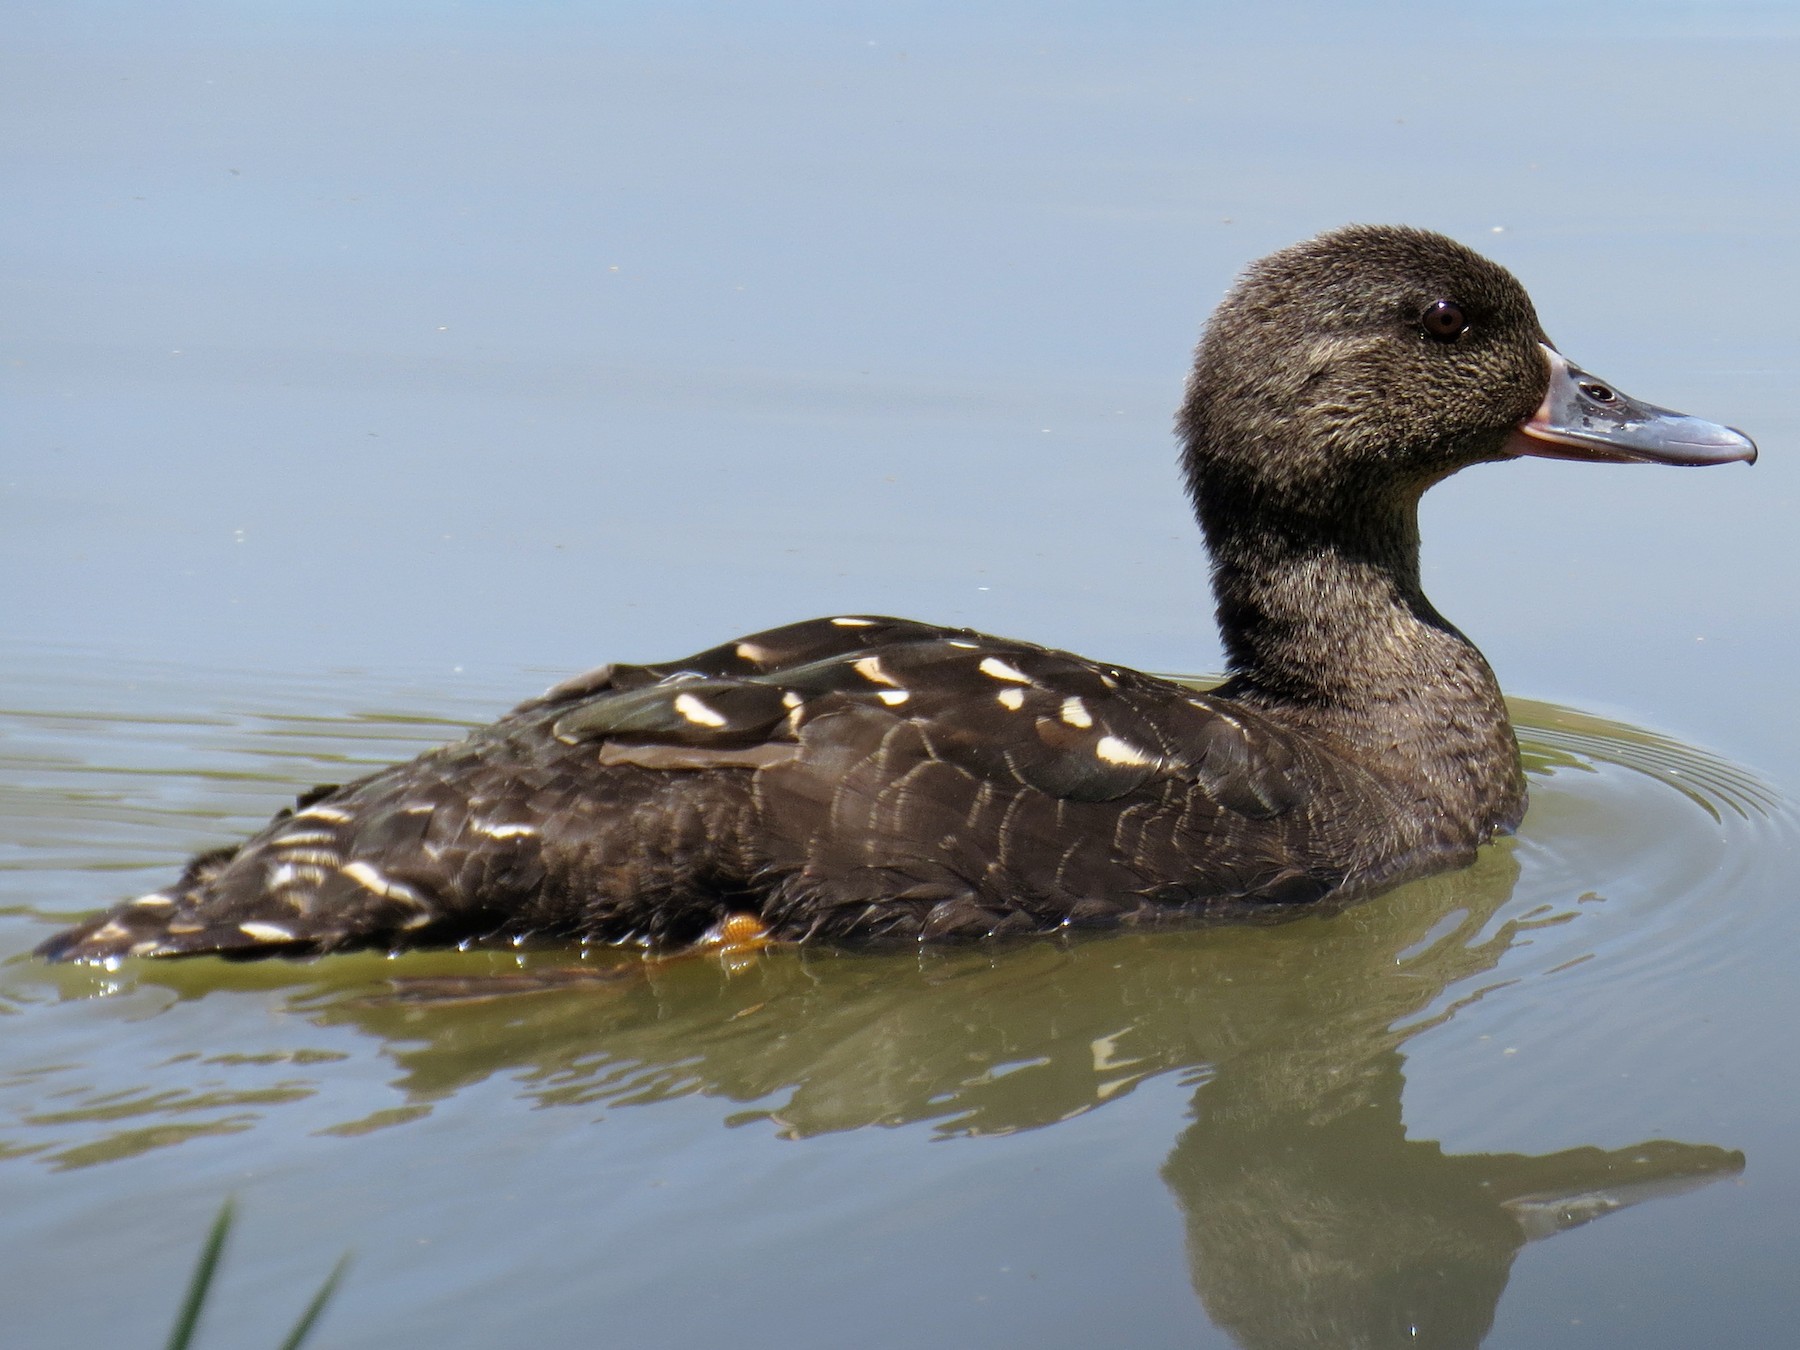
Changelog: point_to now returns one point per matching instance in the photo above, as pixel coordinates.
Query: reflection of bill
(1330, 1227)
(1311, 1219)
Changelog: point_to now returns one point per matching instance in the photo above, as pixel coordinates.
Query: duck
(858, 778)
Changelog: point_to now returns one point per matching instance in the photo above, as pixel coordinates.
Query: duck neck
(1326, 626)
(1324, 608)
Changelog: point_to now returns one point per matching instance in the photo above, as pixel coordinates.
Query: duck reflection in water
(1311, 1218)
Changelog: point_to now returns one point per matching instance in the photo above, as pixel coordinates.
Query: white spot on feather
(749, 651)
(386, 887)
(319, 857)
(791, 700)
(331, 813)
(996, 669)
(505, 831)
(870, 669)
(1115, 751)
(298, 838)
(963, 643)
(155, 900)
(108, 931)
(266, 932)
(893, 697)
(696, 711)
(285, 875)
(1075, 712)
(853, 623)
(1012, 699)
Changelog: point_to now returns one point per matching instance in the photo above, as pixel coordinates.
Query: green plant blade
(303, 1328)
(204, 1270)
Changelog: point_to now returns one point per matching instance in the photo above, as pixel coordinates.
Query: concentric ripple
(1674, 847)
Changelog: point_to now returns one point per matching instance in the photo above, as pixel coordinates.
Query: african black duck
(858, 777)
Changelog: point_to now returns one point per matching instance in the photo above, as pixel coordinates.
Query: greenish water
(368, 368)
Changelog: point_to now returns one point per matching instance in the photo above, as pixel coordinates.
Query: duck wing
(913, 780)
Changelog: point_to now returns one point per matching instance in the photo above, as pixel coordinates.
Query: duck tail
(150, 923)
(298, 886)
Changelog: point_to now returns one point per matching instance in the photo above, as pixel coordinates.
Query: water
(333, 430)
(1048, 1135)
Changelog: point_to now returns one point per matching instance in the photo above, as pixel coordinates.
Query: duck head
(1368, 363)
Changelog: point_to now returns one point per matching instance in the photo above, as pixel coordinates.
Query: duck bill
(1585, 418)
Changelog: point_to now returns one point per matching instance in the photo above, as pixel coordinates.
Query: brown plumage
(860, 777)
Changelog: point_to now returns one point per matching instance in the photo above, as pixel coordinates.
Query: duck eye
(1443, 321)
